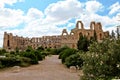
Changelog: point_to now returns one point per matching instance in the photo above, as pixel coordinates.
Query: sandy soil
(48, 69)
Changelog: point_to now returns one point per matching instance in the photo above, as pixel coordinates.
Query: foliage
(39, 55)
(31, 55)
(22, 58)
(17, 50)
(13, 61)
(102, 61)
(60, 51)
(66, 53)
(83, 43)
(40, 48)
(29, 49)
(2, 51)
(74, 60)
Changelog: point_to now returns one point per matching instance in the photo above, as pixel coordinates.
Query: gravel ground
(48, 69)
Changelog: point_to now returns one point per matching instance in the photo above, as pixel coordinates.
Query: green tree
(118, 32)
(102, 61)
(113, 34)
(83, 43)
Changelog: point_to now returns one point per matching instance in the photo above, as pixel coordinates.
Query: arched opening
(79, 25)
(54, 46)
(73, 46)
(71, 33)
(64, 34)
(93, 25)
(87, 34)
(8, 43)
(80, 34)
(100, 36)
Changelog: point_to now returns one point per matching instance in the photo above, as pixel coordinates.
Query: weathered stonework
(11, 42)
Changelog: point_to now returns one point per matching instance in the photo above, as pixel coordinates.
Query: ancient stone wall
(69, 39)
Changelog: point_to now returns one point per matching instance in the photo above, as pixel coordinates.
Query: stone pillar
(5, 40)
(92, 25)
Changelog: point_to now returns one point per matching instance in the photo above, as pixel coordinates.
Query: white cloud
(114, 8)
(10, 17)
(9, 2)
(63, 10)
(93, 6)
(38, 23)
(34, 14)
(1, 38)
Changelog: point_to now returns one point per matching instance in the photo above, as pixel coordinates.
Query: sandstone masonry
(11, 42)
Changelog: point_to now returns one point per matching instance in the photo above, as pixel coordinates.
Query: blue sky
(35, 18)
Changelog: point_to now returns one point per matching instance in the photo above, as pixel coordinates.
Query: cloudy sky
(30, 18)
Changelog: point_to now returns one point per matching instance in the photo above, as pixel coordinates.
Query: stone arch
(73, 45)
(8, 43)
(100, 36)
(71, 33)
(99, 26)
(92, 25)
(79, 25)
(64, 32)
(87, 33)
(80, 34)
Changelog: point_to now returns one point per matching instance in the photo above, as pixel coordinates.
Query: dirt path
(48, 69)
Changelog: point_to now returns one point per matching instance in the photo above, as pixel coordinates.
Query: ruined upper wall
(69, 39)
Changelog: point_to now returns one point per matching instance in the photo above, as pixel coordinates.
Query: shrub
(102, 61)
(59, 50)
(40, 48)
(66, 53)
(39, 55)
(9, 61)
(1, 66)
(31, 55)
(2, 51)
(25, 61)
(12, 52)
(74, 60)
(14, 61)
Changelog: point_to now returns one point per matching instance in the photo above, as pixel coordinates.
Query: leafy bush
(2, 51)
(102, 62)
(22, 58)
(1, 66)
(39, 55)
(61, 51)
(40, 48)
(14, 61)
(24, 61)
(74, 60)
(66, 53)
(32, 56)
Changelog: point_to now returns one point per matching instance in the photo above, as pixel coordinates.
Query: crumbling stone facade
(12, 42)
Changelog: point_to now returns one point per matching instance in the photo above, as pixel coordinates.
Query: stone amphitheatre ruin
(11, 42)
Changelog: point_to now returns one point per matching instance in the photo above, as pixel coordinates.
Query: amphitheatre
(10, 41)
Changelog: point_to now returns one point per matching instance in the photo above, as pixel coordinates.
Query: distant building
(12, 42)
